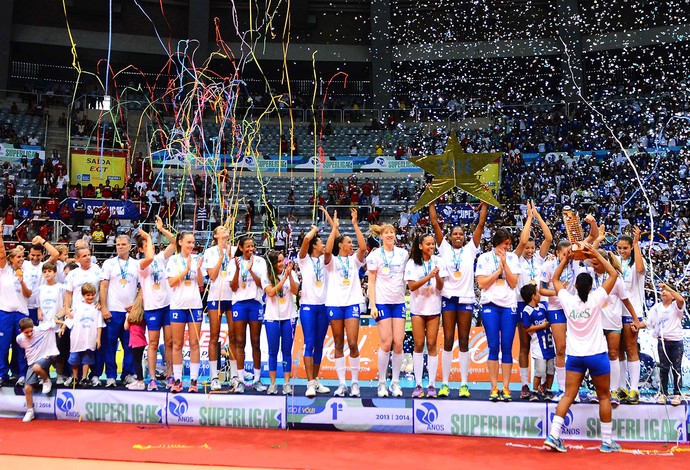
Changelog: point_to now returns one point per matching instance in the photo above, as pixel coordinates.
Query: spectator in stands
(79, 211)
(89, 192)
(8, 222)
(280, 238)
(6, 202)
(52, 207)
(201, 218)
(354, 149)
(61, 183)
(106, 191)
(10, 188)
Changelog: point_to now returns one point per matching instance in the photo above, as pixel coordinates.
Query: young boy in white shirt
(39, 346)
(86, 324)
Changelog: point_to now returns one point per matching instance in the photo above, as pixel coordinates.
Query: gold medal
(606, 304)
(188, 282)
(346, 282)
(318, 283)
(385, 270)
(123, 282)
(565, 284)
(223, 273)
(457, 274)
(156, 286)
(244, 285)
(500, 282)
(533, 282)
(282, 300)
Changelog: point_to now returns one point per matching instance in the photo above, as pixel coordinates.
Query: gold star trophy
(455, 168)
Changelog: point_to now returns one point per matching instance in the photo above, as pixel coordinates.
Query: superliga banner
(89, 167)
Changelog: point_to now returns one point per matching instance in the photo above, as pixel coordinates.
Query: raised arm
(680, 301)
(53, 254)
(557, 284)
(170, 249)
(608, 284)
(593, 229)
(361, 241)
(333, 222)
(3, 252)
(483, 212)
(548, 236)
(526, 230)
(304, 249)
(148, 250)
(639, 260)
(433, 216)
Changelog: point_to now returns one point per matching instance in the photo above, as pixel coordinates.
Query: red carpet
(302, 449)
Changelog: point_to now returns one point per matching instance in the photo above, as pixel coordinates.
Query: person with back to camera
(586, 347)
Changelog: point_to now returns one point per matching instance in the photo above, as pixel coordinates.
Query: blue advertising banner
(123, 209)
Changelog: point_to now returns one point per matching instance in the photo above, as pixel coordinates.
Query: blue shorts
(390, 311)
(627, 320)
(225, 305)
(188, 315)
(453, 304)
(157, 318)
(343, 313)
(597, 364)
(33, 314)
(247, 310)
(82, 358)
(556, 316)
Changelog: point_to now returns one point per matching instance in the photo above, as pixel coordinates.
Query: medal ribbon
(318, 268)
(428, 267)
(123, 272)
(344, 267)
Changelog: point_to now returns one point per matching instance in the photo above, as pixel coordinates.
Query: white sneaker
(311, 389)
(321, 388)
(136, 385)
(287, 389)
(272, 389)
(215, 385)
(95, 381)
(20, 381)
(396, 390)
(110, 383)
(29, 416)
(259, 387)
(60, 380)
(354, 390)
(383, 391)
(239, 388)
(340, 391)
(68, 381)
(47, 387)
(129, 378)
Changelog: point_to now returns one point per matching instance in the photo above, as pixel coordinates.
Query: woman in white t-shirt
(186, 311)
(497, 275)
(585, 346)
(425, 274)
(280, 318)
(313, 315)
(156, 298)
(344, 297)
(215, 264)
(386, 266)
(612, 316)
(458, 298)
(633, 271)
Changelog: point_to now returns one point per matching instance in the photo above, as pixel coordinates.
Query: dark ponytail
(416, 251)
(583, 284)
(629, 240)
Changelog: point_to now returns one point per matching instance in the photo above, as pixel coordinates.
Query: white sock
(432, 365)
(606, 432)
(213, 366)
(634, 373)
(397, 365)
(257, 375)
(418, 365)
(193, 370)
(354, 369)
(177, 371)
(560, 378)
(446, 363)
(464, 366)
(615, 374)
(524, 375)
(556, 427)
(240, 375)
(384, 358)
(624, 374)
(340, 369)
(233, 368)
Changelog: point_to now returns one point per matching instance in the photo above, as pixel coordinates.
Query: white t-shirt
(120, 295)
(314, 280)
(84, 327)
(570, 273)
(427, 299)
(498, 293)
(154, 275)
(277, 307)
(12, 299)
(634, 281)
(666, 322)
(78, 277)
(530, 272)
(460, 264)
(612, 310)
(186, 294)
(41, 345)
(220, 288)
(33, 278)
(390, 271)
(50, 301)
(585, 332)
(344, 286)
(247, 288)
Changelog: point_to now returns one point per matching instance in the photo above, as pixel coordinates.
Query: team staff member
(458, 294)
(497, 276)
(386, 266)
(344, 297)
(313, 315)
(586, 347)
